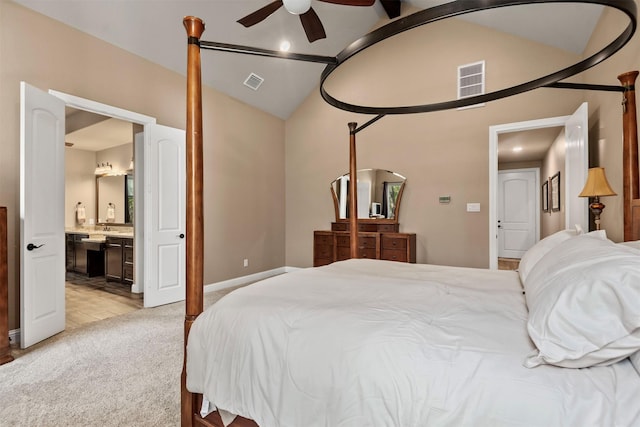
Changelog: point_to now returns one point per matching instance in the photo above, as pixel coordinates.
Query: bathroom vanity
(84, 257)
(101, 253)
(118, 259)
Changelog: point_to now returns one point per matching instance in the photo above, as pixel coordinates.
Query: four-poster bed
(249, 395)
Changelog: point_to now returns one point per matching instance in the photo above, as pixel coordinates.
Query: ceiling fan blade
(392, 7)
(351, 2)
(260, 14)
(312, 26)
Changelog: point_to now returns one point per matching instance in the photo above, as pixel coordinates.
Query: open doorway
(159, 215)
(524, 158)
(572, 210)
(99, 217)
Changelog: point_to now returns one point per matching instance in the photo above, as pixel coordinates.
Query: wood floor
(508, 263)
(89, 299)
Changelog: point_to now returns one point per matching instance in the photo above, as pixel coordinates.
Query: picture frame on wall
(555, 192)
(544, 194)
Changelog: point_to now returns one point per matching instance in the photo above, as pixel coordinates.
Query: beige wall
(243, 147)
(554, 162)
(440, 153)
(79, 184)
(605, 118)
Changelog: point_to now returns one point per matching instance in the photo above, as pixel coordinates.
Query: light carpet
(122, 371)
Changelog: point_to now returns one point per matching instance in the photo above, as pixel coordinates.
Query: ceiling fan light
(297, 7)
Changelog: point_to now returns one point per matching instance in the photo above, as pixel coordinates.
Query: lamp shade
(597, 184)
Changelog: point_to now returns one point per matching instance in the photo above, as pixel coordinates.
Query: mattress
(380, 343)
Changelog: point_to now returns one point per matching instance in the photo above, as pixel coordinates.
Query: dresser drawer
(323, 251)
(368, 242)
(342, 241)
(323, 238)
(388, 228)
(339, 226)
(363, 241)
(330, 246)
(394, 255)
(367, 227)
(394, 242)
(345, 253)
(369, 253)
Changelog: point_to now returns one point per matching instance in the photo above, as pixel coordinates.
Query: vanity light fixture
(103, 168)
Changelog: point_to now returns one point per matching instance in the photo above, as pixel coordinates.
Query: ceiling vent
(253, 81)
(471, 81)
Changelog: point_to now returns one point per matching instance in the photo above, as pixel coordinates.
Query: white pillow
(635, 361)
(540, 249)
(583, 303)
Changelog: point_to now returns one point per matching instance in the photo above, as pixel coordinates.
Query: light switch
(473, 207)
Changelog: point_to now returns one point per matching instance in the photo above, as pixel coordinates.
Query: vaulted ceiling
(153, 29)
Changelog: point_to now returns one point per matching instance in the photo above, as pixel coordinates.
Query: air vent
(471, 81)
(253, 81)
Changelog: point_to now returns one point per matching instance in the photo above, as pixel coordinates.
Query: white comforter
(378, 343)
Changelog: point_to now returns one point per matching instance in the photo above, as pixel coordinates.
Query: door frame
(494, 132)
(141, 119)
(536, 172)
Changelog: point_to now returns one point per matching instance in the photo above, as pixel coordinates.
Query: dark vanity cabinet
(84, 257)
(118, 260)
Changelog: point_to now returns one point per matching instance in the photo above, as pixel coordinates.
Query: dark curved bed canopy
(195, 223)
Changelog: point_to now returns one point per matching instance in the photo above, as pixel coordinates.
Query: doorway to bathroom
(159, 214)
(99, 217)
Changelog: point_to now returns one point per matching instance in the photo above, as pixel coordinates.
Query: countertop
(100, 235)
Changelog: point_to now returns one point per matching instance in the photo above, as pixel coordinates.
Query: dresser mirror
(114, 199)
(379, 194)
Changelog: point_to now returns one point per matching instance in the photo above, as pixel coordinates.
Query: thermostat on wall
(444, 199)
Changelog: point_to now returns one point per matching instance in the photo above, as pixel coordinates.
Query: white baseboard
(244, 280)
(14, 337)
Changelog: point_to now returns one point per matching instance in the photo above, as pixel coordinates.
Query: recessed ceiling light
(285, 46)
(517, 149)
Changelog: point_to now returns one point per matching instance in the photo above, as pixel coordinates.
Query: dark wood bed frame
(191, 402)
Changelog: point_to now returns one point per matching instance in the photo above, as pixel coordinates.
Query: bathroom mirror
(114, 199)
(379, 194)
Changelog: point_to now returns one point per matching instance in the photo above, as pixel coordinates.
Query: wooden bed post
(195, 228)
(630, 177)
(353, 190)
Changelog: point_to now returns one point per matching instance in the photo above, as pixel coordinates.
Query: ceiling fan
(310, 21)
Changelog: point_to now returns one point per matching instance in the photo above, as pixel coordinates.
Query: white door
(165, 215)
(517, 211)
(42, 246)
(576, 132)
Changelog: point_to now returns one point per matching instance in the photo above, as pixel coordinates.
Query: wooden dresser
(377, 239)
(5, 351)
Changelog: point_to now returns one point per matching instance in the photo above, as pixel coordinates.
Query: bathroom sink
(95, 238)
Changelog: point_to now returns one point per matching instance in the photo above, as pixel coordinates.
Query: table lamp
(596, 186)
